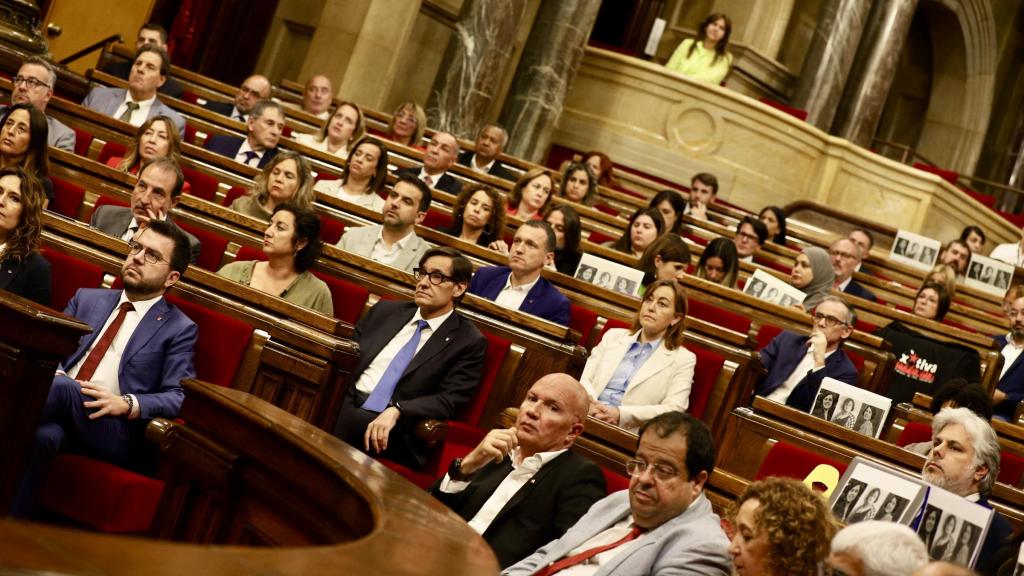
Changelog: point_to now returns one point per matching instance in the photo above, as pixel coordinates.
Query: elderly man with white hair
(876, 548)
(964, 459)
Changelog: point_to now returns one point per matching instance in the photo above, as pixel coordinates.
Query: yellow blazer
(660, 385)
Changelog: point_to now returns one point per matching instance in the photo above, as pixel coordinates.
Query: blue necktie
(250, 156)
(381, 395)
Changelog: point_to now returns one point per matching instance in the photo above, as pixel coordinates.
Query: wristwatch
(130, 402)
(455, 471)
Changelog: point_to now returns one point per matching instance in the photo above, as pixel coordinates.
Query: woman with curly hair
(479, 215)
(286, 178)
(23, 270)
(780, 527)
(601, 166)
(531, 195)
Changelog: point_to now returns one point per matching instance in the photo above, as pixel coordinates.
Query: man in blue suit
(519, 285)
(797, 364)
(1010, 390)
(265, 126)
(127, 371)
(139, 102)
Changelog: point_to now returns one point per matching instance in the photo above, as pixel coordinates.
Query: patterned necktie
(587, 554)
(381, 395)
(88, 368)
(130, 107)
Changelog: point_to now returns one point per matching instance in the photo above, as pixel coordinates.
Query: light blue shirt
(635, 357)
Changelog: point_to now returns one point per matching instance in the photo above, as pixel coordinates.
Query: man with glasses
(127, 371)
(845, 256)
(797, 364)
(418, 360)
(521, 487)
(156, 193)
(254, 89)
(34, 85)
(1010, 390)
(394, 242)
(751, 234)
(662, 525)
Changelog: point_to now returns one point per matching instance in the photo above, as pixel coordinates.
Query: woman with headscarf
(813, 274)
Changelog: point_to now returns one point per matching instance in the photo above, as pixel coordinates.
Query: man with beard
(662, 525)
(1010, 390)
(965, 461)
(127, 371)
(394, 242)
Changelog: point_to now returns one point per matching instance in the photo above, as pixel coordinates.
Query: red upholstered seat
(766, 333)
(1016, 219)
(857, 359)
(719, 316)
(69, 274)
(233, 193)
(190, 97)
(608, 325)
(83, 140)
(947, 175)
(212, 247)
(249, 253)
(598, 237)
(326, 176)
(582, 320)
(110, 150)
(287, 132)
(914, 432)
(331, 229)
(709, 364)
(190, 133)
(1011, 468)
(101, 495)
(67, 197)
(696, 239)
(203, 185)
(221, 343)
(615, 482)
(436, 220)
(105, 200)
(606, 209)
(349, 299)
(791, 461)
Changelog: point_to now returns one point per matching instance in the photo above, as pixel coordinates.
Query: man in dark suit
(519, 285)
(156, 193)
(846, 257)
(127, 371)
(1010, 390)
(150, 34)
(439, 157)
(418, 360)
(139, 102)
(254, 89)
(522, 487)
(489, 145)
(265, 125)
(797, 364)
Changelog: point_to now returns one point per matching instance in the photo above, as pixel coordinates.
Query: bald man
(317, 97)
(521, 487)
(252, 90)
(442, 151)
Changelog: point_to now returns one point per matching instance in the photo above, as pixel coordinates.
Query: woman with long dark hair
(566, 223)
(645, 225)
(774, 220)
(478, 215)
(23, 270)
(23, 144)
(705, 58)
(363, 177)
(672, 206)
(720, 263)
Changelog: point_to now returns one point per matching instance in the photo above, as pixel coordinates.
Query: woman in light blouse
(342, 128)
(634, 375)
(705, 58)
(363, 177)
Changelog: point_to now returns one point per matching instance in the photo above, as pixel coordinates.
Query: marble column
(874, 69)
(548, 65)
(474, 65)
(829, 59)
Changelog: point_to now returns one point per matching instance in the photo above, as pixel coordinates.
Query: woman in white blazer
(629, 385)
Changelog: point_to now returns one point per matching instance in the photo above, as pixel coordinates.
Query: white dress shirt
(433, 178)
(243, 149)
(140, 115)
(485, 169)
(381, 253)
(105, 376)
(1010, 353)
(371, 376)
(133, 227)
(781, 394)
(516, 479)
(614, 532)
(514, 296)
(841, 287)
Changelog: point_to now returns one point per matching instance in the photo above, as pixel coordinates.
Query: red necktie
(586, 554)
(88, 368)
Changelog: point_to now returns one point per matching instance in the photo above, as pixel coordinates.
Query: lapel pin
(159, 318)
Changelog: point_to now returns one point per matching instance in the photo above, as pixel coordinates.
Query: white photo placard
(610, 275)
(915, 250)
(989, 275)
(767, 287)
(851, 407)
(1019, 569)
(871, 491)
(952, 527)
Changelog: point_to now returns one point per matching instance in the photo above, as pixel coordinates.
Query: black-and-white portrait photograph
(824, 405)
(953, 528)
(871, 491)
(772, 295)
(966, 541)
(867, 420)
(900, 248)
(846, 415)
(1003, 280)
(604, 280)
(586, 273)
(929, 526)
(772, 289)
(857, 409)
(988, 275)
(608, 274)
(974, 270)
(915, 250)
(787, 301)
(755, 288)
(868, 506)
(848, 498)
(625, 286)
(892, 508)
(928, 255)
(945, 539)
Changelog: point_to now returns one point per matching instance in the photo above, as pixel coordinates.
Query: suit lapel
(485, 486)
(531, 484)
(376, 340)
(436, 343)
(95, 316)
(151, 323)
(659, 360)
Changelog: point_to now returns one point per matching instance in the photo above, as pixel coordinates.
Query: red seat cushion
(857, 359)
(101, 495)
(221, 343)
(436, 220)
(83, 140)
(719, 316)
(249, 253)
(110, 150)
(947, 175)
(326, 176)
(766, 333)
(606, 209)
(67, 197)
(331, 229)
(709, 364)
(190, 97)
(203, 185)
(349, 299)
(582, 320)
(1011, 468)
(598, 237)
(791, 461)
(69, 274)
(233, 193)
(190, 133)
(212, 246)
(914, 432)
(614, 481)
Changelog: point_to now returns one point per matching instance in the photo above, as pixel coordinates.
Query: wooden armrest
(432, 432)
(1018, 412)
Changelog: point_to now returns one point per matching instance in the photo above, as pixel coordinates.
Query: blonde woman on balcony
(705, 58)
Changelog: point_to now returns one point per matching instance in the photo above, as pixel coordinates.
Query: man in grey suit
(394, 243)
(34, 85)
(662, 525)
(139, 102)
(156, 193)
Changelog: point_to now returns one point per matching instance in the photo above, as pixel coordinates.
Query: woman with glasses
(779, 527)
(931, 302)
(407, 125)
(291, 244)
(633, 375)
(23, 144)
(23, 270)
(813, 274)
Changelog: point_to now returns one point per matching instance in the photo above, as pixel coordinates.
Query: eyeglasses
(662, 472)
(148, 255)
(31, 82)
(436, 278)
(843, 255)
(830, 321)
(747, 237)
